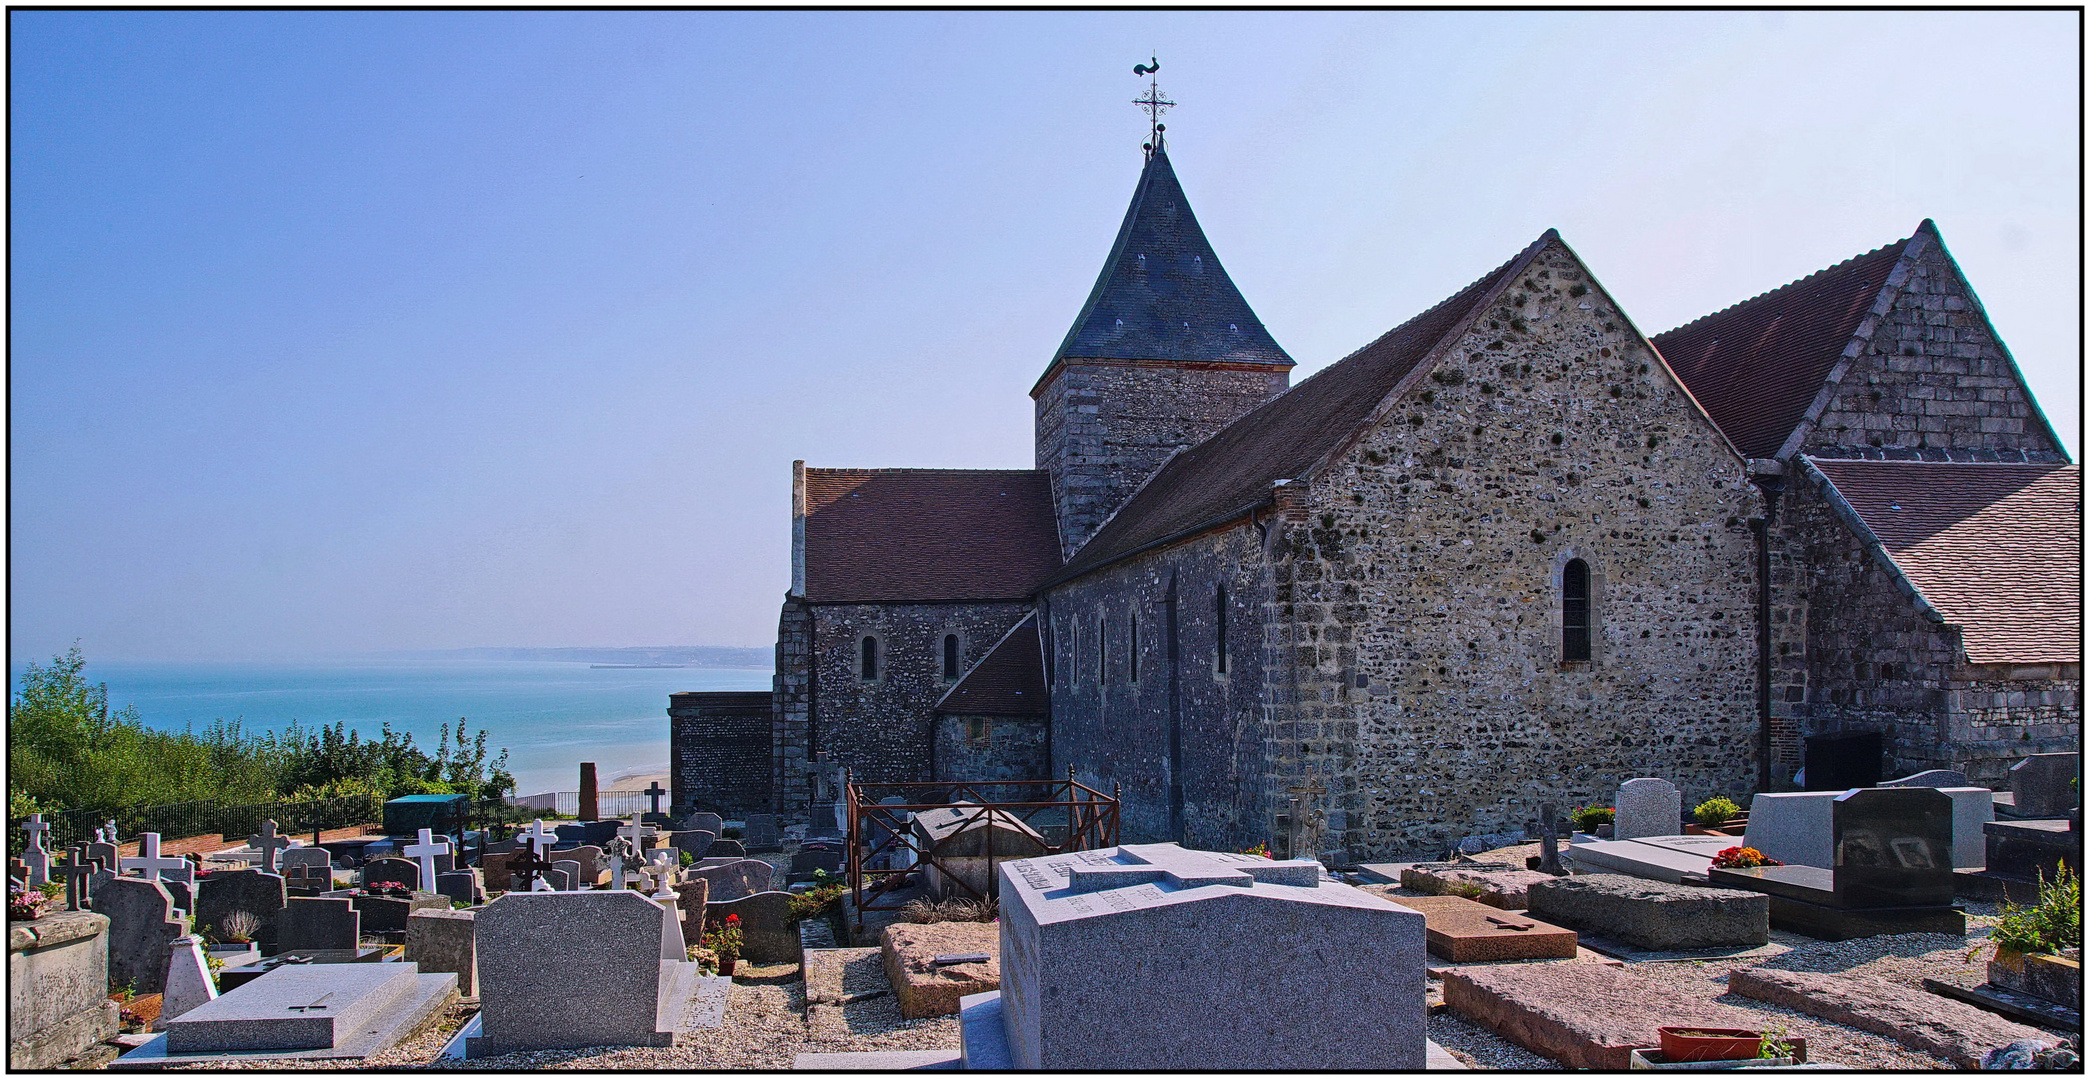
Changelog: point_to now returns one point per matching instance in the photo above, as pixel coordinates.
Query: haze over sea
(551, 715)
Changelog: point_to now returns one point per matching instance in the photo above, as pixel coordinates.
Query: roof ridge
(912, 469)
(1840, 461)
(1796, 281)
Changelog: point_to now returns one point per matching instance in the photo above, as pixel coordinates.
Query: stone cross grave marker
(537, 838)
(1336, 979)
(78, 871)
(653, 793)
(1307, 821)
(35, 857)
(269, 844)
(529, 866)
(1549, 840)
(156, 867)
(1648, 806)
(424, 853)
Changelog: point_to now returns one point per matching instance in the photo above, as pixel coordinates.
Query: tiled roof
(1756, 367)
(1163, 295)
(1235, 468)
(899, 535)
(1008, 681)
(1995, 548)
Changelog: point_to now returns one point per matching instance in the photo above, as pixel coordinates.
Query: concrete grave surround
(306, 1010)
(1648, 806)
(57, 988)
(1128, 958)
(1793, 827)
(2040, 783)
(926, 988)
(142, 929)
(223, 892)
(733, 880)
(767, 934)
(531, 947)
(1653, 914)
(313, 922)
(443, 941)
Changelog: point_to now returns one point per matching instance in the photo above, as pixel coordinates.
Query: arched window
(950, 656)
(870, 665)
(1574, 611)
(1219, 607)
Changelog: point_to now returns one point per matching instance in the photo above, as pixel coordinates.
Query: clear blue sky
(336, 332)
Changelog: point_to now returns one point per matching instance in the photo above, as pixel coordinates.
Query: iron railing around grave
(885, 855)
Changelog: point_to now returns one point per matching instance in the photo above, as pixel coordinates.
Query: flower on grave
(1743, 858)
(23, 904)
(1262, 849)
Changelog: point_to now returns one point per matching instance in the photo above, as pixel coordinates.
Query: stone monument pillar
(589, 802)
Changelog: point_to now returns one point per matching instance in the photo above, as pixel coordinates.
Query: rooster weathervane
(1153, 103)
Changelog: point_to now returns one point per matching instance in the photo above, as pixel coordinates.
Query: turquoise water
(551, 716)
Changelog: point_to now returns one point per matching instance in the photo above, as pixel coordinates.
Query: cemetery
(1913, 923)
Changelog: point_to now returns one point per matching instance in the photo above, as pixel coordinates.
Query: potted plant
(724, 941)
(26, 904)
(2033, 945)
(1709, 1044)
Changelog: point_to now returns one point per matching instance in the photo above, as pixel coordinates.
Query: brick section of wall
(791, 716)
(720, 744)
(1933, 383)
(1006, 747)
(1114, 731)
(883, 728)
(1876, 663)
(1102, 429)
(1429, 567)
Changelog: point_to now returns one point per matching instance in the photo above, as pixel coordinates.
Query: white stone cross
(425, 853)
(637, 833)
(1185, 868)
(538, 838)
(148, 858)
(36, 858)
(268, 843)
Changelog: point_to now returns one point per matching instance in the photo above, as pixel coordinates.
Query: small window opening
(870, 666)
(976, 731)
(1101, 656)
(1219, 607)
(950, 656)
(1132, 646)
(1574, 611)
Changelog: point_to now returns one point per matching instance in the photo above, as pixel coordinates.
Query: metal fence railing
(608, 804)
(205, 817)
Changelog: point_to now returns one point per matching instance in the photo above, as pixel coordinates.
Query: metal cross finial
(1153, 103)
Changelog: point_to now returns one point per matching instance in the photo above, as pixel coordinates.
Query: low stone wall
(57, 988)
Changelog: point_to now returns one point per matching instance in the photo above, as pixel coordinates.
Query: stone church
(1513, 550)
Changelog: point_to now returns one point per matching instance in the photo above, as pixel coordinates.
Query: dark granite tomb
(1893, 872)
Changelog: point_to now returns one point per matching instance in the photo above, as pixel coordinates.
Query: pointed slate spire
(1162, 294)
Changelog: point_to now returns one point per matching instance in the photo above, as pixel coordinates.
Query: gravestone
(653, 793)
(425, 854)
(574, 833)
(142, 929)
(77, 871)
(1164, 923)
(1892, 871)
(1305, 820)
(705, 821)
(590, 858)
(691, 896)
(564, 875)
(494, 872)
(308, 868)
(531, 945)
(104, 852)
(767, 934)
(694, 841)
(153, 865)
(317, 922)
(255, 893)
(1648, 806)
(1938, 778)
(1793, 826)
(305, 1010)
(725, 848)
(733, 880)
(35, 860)
(388, 914)
(460, 885)
(269, 845)
(2041, 784)
(810, 859)
(392, 871)
(189, 984)
(762, 833)
(443, 941)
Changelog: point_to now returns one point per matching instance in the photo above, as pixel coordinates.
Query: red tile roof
(1757, 366)
(901, 535)
(1995, 548)
(1286, 436)
(1008, 681)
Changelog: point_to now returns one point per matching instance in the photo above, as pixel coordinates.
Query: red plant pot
(1709, 1044)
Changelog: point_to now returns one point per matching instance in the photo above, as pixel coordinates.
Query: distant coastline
(640, 656)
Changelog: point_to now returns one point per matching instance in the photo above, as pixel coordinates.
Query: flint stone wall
(721, 746)
(1011, 747)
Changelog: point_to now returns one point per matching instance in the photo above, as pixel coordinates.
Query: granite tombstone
(735, 879)
(530, 945)
(317, 922)
(143, 925)
(1648, 806)
(2042, 785)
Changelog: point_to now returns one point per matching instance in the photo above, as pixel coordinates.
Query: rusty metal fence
(886, 856)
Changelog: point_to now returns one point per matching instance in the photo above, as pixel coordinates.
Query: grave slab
(1651, 914)
(925, 987)
(2023, 1008)
(878, 1061)
(1501, 884)
(1460, 930)
(1934, 778)
(328, 1012)
(233, 977)
(1336, 978)
(1955, 1031)
(1585, 1016)
(1678, 860)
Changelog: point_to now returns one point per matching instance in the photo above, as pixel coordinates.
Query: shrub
(1715, 811)
(953, 909)
(1589, 817)
(2049, 926)
(816, 902)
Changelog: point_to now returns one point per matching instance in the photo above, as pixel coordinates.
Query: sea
(549, 715)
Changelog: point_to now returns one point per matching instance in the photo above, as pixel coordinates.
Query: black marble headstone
(1893, 847)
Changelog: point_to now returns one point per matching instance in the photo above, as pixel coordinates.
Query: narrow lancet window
(1574, 612)
(950, 656)
(1132, 646)
(1219, 604)
(870, 668)
(1102, 676)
